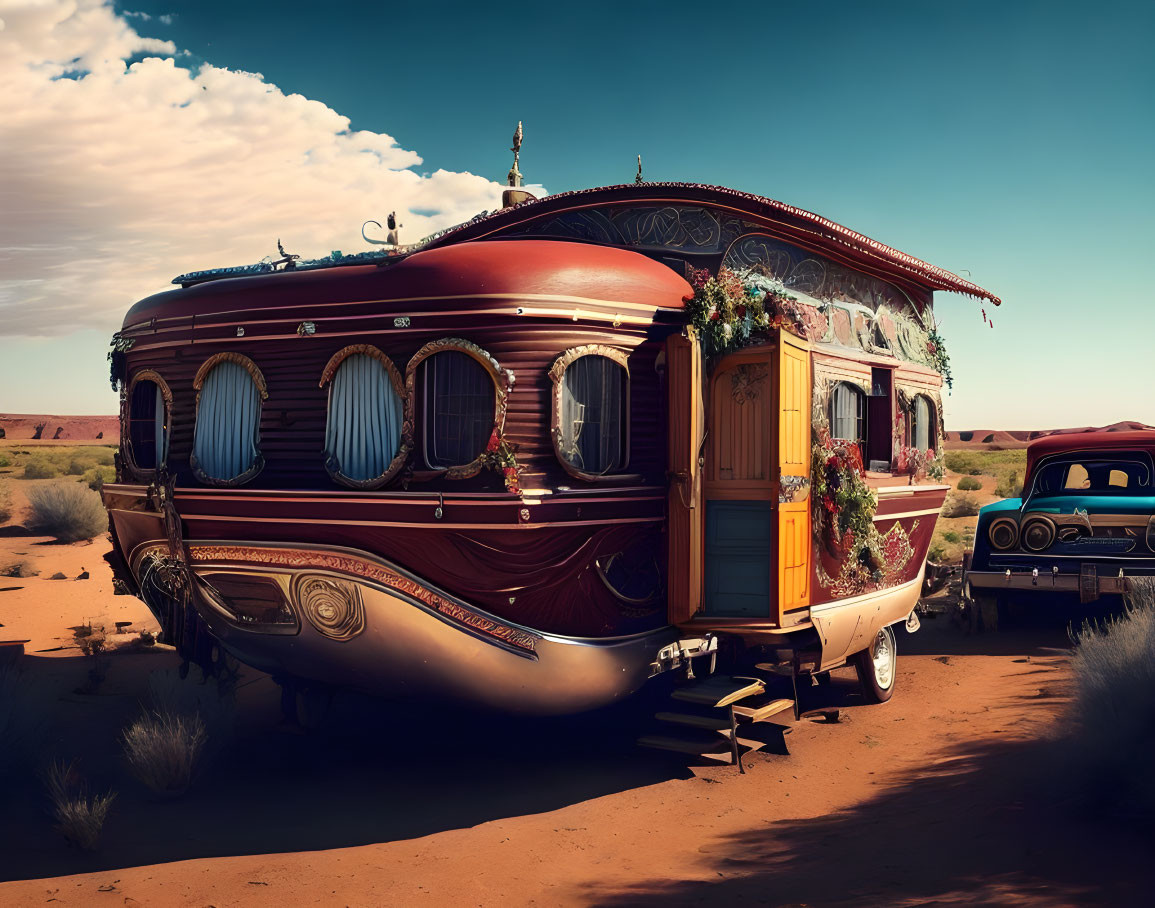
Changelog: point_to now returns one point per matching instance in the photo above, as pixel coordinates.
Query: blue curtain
(363, 432)
(226, 431)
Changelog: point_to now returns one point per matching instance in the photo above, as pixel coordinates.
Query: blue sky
(1009, 142)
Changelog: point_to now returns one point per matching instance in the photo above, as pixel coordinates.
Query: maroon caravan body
(525, 464)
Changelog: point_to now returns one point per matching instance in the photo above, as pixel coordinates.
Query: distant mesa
(49, 428)
(985, 438)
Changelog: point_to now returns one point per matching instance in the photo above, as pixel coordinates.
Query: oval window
(226, 445)
(148, 422)
(459, 403)
(363, 429)
(592, 413)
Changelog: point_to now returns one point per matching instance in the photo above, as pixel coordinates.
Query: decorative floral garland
(844, 504)
(939, 358)
(501, 457)
(729, 308)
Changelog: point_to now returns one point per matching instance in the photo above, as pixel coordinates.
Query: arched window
(226, 444)
(149, 405)
(461, 400)
(591, 410)
(848, 413)
(363, 447)
(922, 424)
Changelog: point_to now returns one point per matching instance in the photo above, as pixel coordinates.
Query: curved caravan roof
(558, 275)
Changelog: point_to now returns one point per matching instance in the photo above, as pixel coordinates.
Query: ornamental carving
(239, 359)
(394, 466)
(503, 381)
(300, 559)
(332, 607)
(747, 382)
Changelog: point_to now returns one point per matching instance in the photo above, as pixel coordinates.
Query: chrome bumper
(1089, 584)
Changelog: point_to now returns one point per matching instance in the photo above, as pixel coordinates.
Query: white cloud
(115, 178)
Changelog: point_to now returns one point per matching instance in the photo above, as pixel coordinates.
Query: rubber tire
(864, 665)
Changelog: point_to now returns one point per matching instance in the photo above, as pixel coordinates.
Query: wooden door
(792, 480)
(685, 377)
(740, 487)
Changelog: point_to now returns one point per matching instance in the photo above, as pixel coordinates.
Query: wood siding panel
(686, 429)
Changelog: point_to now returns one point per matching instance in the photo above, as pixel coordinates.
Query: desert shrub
(103, 456)
(5, 460)
(1010, 486)
(76, 467)
(1113, 707)
(952, 537)
(969, 484)
(937, 553)
(960, 506)
(164, 749)
(67, 511)
(40, 468)
(79, 818)
(5, 502)
(96, 477)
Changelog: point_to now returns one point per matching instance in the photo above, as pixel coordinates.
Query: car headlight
(1038, 533)
(1003, 533)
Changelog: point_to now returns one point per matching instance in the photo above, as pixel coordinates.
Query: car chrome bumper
(1089, 584)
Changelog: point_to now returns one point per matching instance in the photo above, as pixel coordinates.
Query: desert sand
(948, 794)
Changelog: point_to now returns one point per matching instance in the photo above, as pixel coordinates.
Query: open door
(687, 414)
(793, 562)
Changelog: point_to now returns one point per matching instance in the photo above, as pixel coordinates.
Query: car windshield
(1086, 474)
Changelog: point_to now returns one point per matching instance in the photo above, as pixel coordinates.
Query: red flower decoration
(494, 442)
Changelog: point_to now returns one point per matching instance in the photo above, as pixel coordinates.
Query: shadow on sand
(374, 773)
(986, 824)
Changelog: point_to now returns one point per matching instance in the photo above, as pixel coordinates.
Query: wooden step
(711, 723)
(717, 749)
(761, 713)
(720, 691)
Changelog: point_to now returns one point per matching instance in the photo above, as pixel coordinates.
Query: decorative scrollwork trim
(503, 381)
(228, 357)
(556, 374)
(394, 466)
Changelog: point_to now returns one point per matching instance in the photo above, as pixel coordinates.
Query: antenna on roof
(515, 194)
(638, 178)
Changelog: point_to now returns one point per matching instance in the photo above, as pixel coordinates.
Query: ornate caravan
(542, 457)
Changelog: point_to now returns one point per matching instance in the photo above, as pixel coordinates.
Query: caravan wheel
(877, 666)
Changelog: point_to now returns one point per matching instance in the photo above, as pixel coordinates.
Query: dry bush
(40, 468)
(68, 511)
(960, 506)
(164, 750)
(5, 503)
(78, 817)
(1010, 486)
(969, 484)
(98, 476)
(1113, 709)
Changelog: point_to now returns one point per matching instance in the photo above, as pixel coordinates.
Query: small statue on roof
(638, 178)
(394, 234)
(514, 173)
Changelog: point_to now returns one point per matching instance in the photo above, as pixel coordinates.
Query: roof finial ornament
(514, 173)
(638, 178)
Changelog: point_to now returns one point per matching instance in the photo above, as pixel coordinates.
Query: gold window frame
(262, 388)
(557, 374)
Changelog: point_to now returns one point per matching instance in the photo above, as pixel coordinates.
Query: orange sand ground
(73, 430)
(943, 796)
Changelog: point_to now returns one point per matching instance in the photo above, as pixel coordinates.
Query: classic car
(1085, 523)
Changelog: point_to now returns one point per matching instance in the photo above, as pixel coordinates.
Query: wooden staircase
(717, 705)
